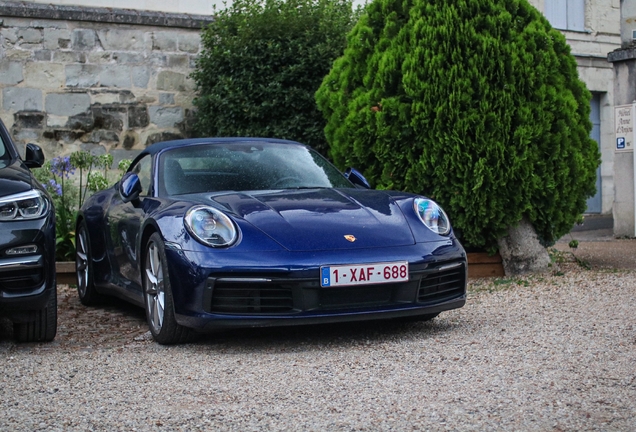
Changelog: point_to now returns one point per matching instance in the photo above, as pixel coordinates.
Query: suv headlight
(210, 226)
(432, 215)
(25, 205)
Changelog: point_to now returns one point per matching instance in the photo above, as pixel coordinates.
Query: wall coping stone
(103, 15)
(622, 54)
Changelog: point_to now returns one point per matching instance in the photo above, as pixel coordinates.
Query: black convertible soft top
(158, 147)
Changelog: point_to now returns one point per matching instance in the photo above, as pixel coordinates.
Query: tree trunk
(521, 251)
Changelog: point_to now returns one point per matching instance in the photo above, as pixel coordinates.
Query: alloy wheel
(154, 288)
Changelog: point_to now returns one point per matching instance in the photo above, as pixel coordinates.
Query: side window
(143, 170)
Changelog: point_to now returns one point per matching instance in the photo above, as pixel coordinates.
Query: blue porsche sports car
(243, 232)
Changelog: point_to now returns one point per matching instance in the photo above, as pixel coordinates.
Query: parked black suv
(28, 293)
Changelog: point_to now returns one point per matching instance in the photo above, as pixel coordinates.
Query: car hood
(14, 178)
(318, 219)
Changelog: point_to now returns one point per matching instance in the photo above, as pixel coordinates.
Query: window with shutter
(566, 14)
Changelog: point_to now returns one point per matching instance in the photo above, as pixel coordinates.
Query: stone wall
(101, 80)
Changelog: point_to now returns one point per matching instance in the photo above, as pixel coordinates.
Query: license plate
(364, 274)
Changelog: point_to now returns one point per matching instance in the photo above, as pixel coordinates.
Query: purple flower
(61, 167)
(55, 187)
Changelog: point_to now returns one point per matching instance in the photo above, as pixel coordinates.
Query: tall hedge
(475, 103)
(261, 64)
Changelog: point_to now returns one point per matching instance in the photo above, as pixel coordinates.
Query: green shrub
(69, 181)
(475, 103)
(261, 64)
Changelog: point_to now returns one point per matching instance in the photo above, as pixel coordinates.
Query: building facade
(624, 62)
(592, 29)
(80, 74)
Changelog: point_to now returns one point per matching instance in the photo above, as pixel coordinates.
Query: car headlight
(25, 205)
(432, 215)
(210, 226)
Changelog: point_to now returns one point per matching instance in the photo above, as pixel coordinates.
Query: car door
(124, 221)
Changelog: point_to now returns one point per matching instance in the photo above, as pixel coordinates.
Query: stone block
(67, 104)
(98, 57)
(189, 42)
(30, 36)
(190, 84)
(128, 58)
(141, 76)
(178, 61)
(126, 96)
(166, 117)
(29, 120)
(53, 121)
(84, 122)
(10, 73)
(19, 55)
(64, 135)
(138, 116)
(9, 36)
(171, 81)
(158, 60)
(7, 118)
(122, 40)
(166, 98)
(56, 39)
(104, 97)
(43, 55)
(162, 136)
(94, 149)
(82, 75)
(164, 41)
(110, 117)
(51, 24)
(25, 135)
(130, 140)
(44, 75)
(83, 39)
(69, 57)
(101, 135)
(115, 76)
(22, 99)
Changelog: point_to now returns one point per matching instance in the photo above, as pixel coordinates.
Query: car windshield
(243, 166)
(4, 154)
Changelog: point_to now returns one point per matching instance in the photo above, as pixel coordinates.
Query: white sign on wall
(624, 127)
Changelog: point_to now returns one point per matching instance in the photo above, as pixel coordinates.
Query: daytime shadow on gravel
(117, 324)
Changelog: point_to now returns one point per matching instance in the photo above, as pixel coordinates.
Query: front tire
(158, 296)
(43, 325)
(86, 291)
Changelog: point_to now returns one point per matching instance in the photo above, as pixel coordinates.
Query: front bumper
(277, 289)
(26, 281)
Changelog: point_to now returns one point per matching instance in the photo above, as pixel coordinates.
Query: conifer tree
(475, 103)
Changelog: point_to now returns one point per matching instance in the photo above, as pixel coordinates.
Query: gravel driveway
(549, 353)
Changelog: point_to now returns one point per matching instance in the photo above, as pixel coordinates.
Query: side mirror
(129, 187)
(357, 178)
(34, 156)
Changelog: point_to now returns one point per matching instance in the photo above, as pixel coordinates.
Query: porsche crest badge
(350, 238)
